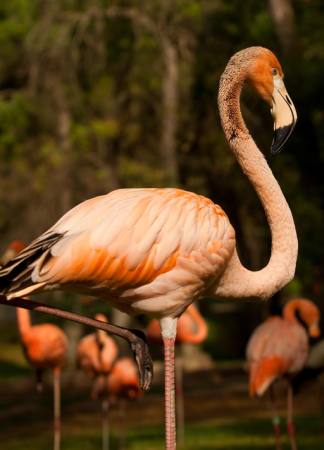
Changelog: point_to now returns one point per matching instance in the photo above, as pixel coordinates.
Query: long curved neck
(238, 281)
(289, 312)
(201, 329)
(24, 321)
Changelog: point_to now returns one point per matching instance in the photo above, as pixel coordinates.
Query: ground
(219, 413)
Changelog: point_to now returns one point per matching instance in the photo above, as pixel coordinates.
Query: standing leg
(290, 419)
(122, 425)
(39, 380)
(180, 399)
(169, 331)
(105, 424)
(275, 418)
(57, 408)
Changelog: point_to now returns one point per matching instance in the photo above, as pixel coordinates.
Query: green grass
(26, 418)
(231, 435)
(12, 361)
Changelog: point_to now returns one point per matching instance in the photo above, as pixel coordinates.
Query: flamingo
(278, 348)
(96, 356)
(155, 251)
(122, 383)
(97, 352)
(191, 329)
(45, 347)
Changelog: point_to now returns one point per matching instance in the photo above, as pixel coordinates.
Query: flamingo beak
(314, 330)
(284, 114)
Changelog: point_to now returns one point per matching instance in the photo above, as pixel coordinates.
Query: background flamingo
(97, 352)
(45, 347)
(279, 348)
(120, 385)
(191, 329)
(96, 355)
(155, 251)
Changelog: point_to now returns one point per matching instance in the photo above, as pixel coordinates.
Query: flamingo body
(45, 346)
(123, 380)
(96, 352)
(277, 347)
(156, 254)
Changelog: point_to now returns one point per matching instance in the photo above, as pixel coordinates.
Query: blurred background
(96, 95)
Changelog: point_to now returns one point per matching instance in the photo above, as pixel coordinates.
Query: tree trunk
(169, 110)
(283, 16)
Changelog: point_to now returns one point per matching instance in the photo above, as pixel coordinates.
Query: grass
(238, 434)
(220, 415)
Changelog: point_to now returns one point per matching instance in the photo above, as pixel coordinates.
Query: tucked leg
(136, 338)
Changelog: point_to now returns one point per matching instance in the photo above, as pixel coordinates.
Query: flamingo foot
(143, 359)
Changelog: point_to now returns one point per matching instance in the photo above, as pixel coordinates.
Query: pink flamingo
(155, 251)
(45, 347)
(97, 352)
(191, 329)
(96, 356)
(279, 348)
(123, 380)
(120, 384)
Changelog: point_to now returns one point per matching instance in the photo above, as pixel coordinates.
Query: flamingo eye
(274, 71)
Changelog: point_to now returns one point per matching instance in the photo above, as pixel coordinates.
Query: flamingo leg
(122, 431)
(180, 399)
(105, 424)
(169, 331)
(136, 338)
(57, 408)
(275, 419)
(39, 380)
(290, 419)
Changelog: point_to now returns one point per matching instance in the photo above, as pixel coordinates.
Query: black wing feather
(15, 274)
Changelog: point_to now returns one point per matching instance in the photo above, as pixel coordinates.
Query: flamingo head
(310, 314)
(307, 311)
(265, 74)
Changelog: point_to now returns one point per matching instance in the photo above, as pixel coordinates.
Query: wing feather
(124, 240)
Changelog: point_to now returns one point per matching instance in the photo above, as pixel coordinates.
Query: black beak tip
(281, 135)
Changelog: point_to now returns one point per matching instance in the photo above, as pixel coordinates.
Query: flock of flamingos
(156, 251)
